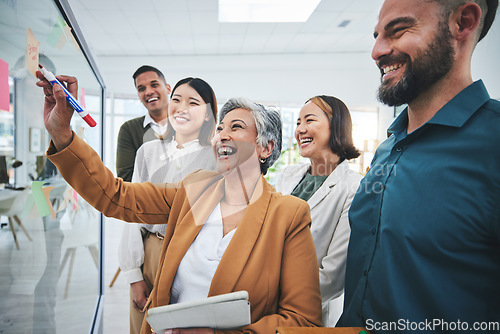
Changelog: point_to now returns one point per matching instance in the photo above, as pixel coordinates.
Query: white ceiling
(275, 62)
(191, 27)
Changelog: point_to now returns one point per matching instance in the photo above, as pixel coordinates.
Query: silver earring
(262, 160)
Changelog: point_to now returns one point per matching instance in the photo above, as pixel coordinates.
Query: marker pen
(72, 101)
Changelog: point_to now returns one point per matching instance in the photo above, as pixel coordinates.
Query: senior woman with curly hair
(226, 231)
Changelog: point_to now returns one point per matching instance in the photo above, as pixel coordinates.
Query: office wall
(292, 78)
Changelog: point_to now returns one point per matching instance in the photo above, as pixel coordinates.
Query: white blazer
(330, 229)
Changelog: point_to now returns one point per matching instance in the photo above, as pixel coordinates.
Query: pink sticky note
(75, 197)
(4, 86)
(32, 52)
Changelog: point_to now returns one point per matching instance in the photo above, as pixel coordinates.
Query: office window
(49, 263)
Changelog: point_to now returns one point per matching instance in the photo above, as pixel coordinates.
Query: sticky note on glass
(40, 199)
(32, 52)
(46, 193)
(4, 86)
(68, 30)
(57, 37)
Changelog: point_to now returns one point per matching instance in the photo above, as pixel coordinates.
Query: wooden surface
(320, 330)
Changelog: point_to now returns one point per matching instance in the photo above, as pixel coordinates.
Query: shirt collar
(149, 120)
(188, 148)
(194, 143)
(399, 125)
(454, 113)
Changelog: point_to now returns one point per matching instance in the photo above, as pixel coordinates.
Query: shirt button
(365, 273)
(374, 230)
(399, 149)
(378, 187)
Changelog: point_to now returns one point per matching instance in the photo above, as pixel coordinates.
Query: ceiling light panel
(266, 10)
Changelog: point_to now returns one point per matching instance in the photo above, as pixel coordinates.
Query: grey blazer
(330, 228)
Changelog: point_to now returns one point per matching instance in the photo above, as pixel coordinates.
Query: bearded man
(424, 251)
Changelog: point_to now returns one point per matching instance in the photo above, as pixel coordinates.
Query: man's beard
(429, 66)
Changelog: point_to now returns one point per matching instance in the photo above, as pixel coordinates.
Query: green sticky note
(61, 22)
(55, 35)
(363, 332)
(40, 201)
(57, 38)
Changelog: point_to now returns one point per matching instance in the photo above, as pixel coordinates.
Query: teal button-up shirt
(425, 224)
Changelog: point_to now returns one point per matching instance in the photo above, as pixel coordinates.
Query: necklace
(244, 191)
(160, 137)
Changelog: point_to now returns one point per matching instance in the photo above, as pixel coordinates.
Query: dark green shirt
(131, 136)
(308, 186)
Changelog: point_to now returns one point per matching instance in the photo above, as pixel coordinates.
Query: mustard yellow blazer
(271, 254)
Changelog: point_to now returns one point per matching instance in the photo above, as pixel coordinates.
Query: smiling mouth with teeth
(152, 99)
(391, 68)
(180, 118)
(306, 140)
(226, 151)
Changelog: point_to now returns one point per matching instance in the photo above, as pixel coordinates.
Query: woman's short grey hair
(267, 121)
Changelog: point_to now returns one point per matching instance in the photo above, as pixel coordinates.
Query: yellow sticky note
(31, 57)
(68, 32)
(46, 192)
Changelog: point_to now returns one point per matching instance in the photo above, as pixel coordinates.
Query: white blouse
(158, 161)
(197, 268)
